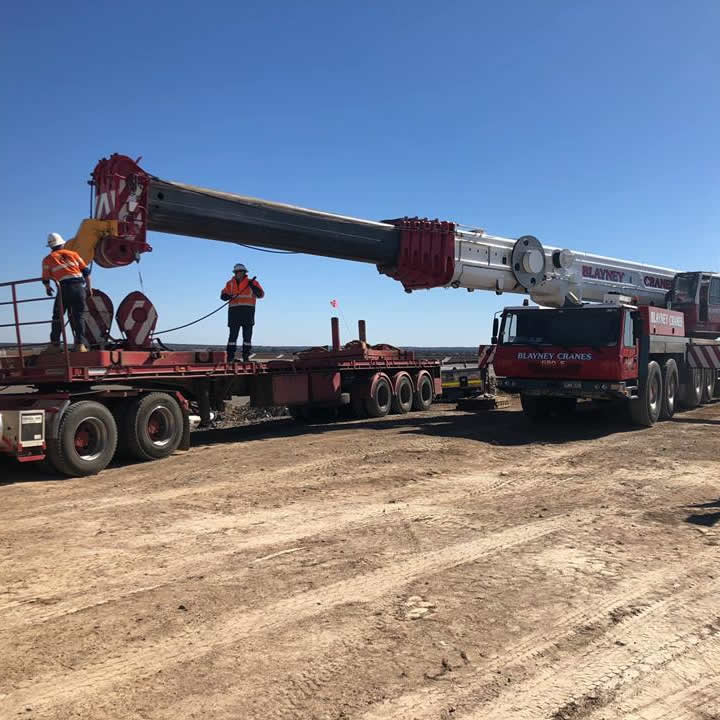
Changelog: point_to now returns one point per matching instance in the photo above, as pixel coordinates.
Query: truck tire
(691, 390)
(645, 409)
(708, 387)
(153, 426)
(535, 408)
(86, 441)
(380, 400)
(402, 400)
(670, 388)
(424, 391)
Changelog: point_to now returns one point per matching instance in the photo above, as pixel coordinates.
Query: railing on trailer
(17, 324)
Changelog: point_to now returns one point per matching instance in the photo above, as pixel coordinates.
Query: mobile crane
(134, 396)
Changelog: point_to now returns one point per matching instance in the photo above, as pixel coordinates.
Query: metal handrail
(16, 314)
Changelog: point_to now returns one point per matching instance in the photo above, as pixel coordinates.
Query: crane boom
(419, 253)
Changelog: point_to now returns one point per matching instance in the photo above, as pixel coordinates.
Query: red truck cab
(585, 351)
(697, 296)
(613, 351)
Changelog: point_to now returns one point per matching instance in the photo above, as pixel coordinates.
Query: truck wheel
(86, 441)
(645, 410)
(670, 388)
(423, 395)
(380, 400)
(691, 391)
(535, 408)
(402, 400)
(708, 387)
(153, 426)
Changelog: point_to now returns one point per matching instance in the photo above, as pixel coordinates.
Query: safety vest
(241, 293)
(62, 265)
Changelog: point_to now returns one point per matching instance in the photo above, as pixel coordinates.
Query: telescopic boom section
(417, 252)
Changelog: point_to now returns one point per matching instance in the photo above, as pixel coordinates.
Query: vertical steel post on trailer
(17, 324)
(335, 325)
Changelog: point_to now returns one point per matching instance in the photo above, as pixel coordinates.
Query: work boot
(79, 347)
(246, 352)
(230, 350)
(53, 349)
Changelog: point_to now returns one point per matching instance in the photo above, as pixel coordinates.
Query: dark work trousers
(73, 298)
(240, 316)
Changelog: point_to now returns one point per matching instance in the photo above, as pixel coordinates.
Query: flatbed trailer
(85, 408)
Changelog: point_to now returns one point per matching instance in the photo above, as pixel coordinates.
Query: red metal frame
(122, 365)
(426, 256)
(17, 324)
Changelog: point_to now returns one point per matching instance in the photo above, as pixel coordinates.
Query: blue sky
(592, 125)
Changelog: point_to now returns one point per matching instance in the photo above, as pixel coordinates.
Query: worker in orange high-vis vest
(241, 294)
(72, 274)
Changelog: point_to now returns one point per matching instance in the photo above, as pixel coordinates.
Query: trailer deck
(136, 398)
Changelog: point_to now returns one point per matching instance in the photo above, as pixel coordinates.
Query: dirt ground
(431, 566)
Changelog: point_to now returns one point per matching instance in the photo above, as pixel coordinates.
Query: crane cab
(697, 296)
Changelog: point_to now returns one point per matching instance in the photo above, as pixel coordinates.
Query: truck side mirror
(496, 326)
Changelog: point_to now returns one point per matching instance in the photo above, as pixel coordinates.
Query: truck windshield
(684, 288)
(586, 326)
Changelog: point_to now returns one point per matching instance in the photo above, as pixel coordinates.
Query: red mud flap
(30, 458)
(426, 256)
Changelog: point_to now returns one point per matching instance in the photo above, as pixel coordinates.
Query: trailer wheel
(535, 408)
(691, 390)
(645, 410)
(86, 441)
(402, 400)
(153, 426)
(424, 391)
(670, 388)
(708, 387)
(380, 400)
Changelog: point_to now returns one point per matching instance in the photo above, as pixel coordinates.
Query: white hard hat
(55, 240)
(239, 266)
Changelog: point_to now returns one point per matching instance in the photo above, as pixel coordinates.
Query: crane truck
(133, 397)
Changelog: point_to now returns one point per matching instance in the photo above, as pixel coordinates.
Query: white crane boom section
(549, 274)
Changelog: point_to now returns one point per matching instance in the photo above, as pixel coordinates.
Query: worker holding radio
(241, 294)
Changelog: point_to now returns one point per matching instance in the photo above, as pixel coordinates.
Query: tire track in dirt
(50, 512)
(44, 513)
(139, 663)
(646, 591)
(287, 524)
(347, 650)
(680, 691)
(629, 652)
